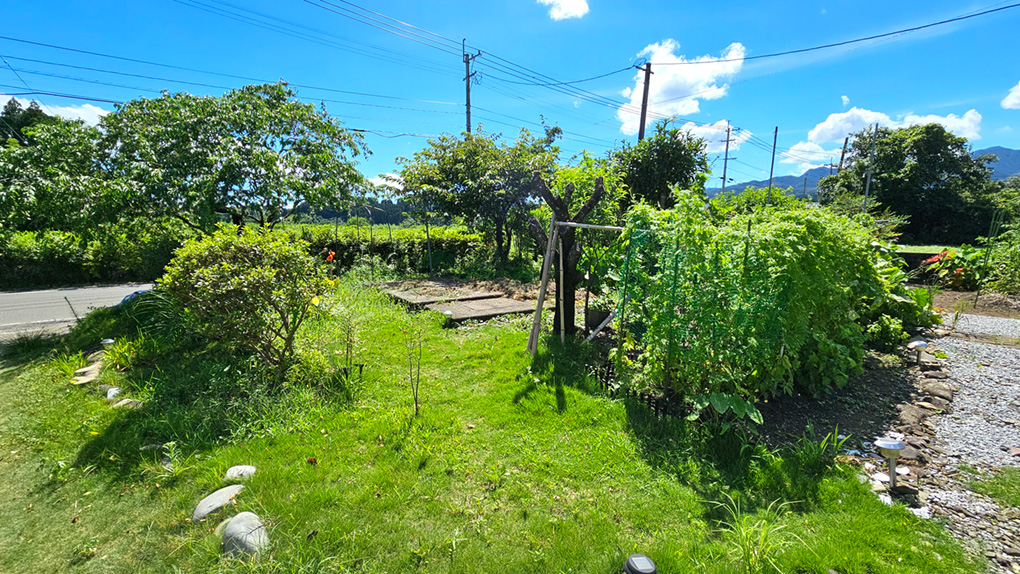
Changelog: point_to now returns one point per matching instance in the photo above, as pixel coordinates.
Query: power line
(844, 43)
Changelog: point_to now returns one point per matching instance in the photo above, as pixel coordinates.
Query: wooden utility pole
(468, 74)
(805, 187)
(726, 158)
(644, 101)
(775, 136)
(842, 155)
(871, 164)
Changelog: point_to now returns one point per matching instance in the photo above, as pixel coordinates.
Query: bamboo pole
(536, 322)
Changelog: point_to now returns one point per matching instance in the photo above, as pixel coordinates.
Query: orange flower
(330, 256)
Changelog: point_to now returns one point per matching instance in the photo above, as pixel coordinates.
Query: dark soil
(865, 408)
(990, 304)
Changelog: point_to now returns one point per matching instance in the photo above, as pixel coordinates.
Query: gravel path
(977, 433)
(981, 325)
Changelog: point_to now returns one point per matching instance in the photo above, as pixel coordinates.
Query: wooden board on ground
(482, 309)
(422, 293)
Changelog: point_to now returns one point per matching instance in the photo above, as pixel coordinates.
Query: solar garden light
(890, 449)
(106, 343)
(917, 346)
(639, 564)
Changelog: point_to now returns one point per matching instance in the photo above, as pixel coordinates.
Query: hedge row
(404, 248)
(30, 260)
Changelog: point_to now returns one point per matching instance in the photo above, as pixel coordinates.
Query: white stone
(112, 394)
(245, 535)
(216, 501)
(902, 470)
(239, 472)
(880, 477)
(885, 498)
(127, 404)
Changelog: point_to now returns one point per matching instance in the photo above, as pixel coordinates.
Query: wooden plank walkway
(435, 291)
(482, 309)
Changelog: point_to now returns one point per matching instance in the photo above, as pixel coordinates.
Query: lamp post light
(917, 346)
(639, 564)
(890, 449)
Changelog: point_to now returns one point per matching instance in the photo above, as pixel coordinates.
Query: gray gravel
(981, 325)
(986, 408)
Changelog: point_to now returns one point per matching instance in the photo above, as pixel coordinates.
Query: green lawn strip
(922, 248)
(500, 473)
(1003, 486)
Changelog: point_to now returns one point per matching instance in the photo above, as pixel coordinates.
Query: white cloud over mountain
(812, 153)
(715, 136)
(565, 9)
(677, 90)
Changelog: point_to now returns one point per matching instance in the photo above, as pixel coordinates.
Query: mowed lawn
(513, 465)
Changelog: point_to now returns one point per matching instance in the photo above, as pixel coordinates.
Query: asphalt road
(49, 310)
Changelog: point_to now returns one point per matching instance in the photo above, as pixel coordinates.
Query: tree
(60, 182)
(482, 179)
(14, 119)
(589, 192)
(653, 166)
(252, 154)
(922, 172)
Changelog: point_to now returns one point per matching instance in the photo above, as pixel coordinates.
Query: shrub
(756, 305)
(963, 269)
(400, 247)
(249, 290)
(1005, 273)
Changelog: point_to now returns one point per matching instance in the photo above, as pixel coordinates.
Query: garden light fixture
(917, 346)
(639, 564)
(890, 449)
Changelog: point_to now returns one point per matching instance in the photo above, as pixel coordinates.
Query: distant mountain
(782, 182)
(1008, 164)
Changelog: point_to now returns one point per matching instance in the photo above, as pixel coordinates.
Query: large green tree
(925, 173)
(483, 179)
(14, 119)
(670, 157)
(252, 154)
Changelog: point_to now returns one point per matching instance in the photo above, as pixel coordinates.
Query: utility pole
(726, 158)
(805, 188)
(775, 136)
(468, 74)
(871, 164)
(830, 166)
(644, 101)
(842, 155)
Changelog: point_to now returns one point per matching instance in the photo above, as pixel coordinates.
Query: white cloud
(1012, 99)
(564, 9)
(677, 89)
(839, 125)
(388, 180)
(89, 113)
(846, 101)
(809, 155)
(715, 135)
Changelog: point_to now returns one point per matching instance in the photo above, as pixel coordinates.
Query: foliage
(482, 179)
(59, 182)
(413, 331)
(402, 248)
(1005, 274)
(670, 158)
(254, 153)
(30, 259)
(246, 290)
(923, 172)
(963, 269)
(756, 305)
(756, 540)
(886, 334)
(754, 199)
(14, 120)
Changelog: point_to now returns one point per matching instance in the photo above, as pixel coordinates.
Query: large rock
(245, 535)
(216, 501)
(938, 389)
(239, 472)
(112, 393)
(91, 369)
(127, 404)
(912, 415)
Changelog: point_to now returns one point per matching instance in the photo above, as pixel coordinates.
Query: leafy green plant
(756, 540)
(246, 290)
(413, 331)
(963, 269)
(885, 334)
(65, 364)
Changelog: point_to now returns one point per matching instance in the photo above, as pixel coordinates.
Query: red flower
(958, 271)
(330, 256)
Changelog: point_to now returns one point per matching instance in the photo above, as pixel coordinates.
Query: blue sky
(409, 83)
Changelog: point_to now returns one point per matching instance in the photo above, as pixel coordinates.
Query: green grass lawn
(922, 248)
(513, 465)
(1003, 486)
